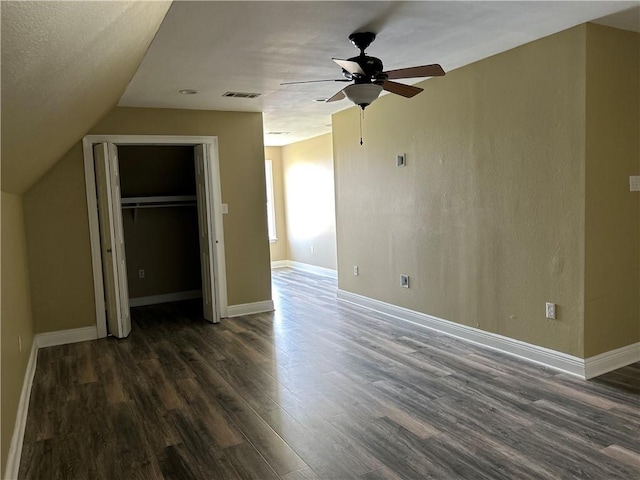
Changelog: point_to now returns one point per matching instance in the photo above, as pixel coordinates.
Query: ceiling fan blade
(338, 96)
(350, 66)
(401, 89)
(414, 72)
(317, 81)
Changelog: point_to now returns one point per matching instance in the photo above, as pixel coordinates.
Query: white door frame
(211, 143)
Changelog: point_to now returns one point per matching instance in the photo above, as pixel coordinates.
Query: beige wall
(279, 247)
(612, 243)
(164, 243)
(58, 244)
(15, 314)
(487, 218)
(310, 201)
(57, 225)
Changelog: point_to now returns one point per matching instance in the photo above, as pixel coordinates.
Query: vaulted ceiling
(66, 64)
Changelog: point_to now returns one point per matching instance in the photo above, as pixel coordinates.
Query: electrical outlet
(355, 270)
(313, 249)
(141, 273)
(551, 310)
(404, 281)
(20, 342)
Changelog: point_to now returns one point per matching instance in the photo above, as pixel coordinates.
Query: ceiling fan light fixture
(363, 94)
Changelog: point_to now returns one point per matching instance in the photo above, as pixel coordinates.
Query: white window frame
(271, 208)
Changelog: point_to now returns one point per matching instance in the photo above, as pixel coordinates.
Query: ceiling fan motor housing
(371, 66)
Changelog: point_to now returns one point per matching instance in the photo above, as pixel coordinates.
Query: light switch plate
(225, 208)
(634, 183)
(550, 310)
(401, 160)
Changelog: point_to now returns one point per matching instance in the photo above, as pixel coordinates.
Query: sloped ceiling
(64, 66)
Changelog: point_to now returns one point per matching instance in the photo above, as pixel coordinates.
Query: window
(271, 210)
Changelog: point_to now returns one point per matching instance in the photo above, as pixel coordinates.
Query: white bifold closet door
(207, 237)
(114, 264)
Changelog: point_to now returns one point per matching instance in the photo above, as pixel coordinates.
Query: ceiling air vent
(241, 95)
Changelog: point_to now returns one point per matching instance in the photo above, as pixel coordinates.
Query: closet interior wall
(160, 221)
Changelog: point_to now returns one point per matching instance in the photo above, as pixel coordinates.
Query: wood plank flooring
(317, 390)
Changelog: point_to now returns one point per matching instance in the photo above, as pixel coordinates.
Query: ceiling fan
(369, 78)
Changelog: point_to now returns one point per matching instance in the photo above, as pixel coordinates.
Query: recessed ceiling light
(188, 91)
(319, 99)
(278, 133)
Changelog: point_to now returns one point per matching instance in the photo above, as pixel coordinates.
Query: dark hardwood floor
(318, 389)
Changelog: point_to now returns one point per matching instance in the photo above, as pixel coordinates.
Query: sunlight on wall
(307, 200)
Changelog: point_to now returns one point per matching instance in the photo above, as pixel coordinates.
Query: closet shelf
(158, 200)
(134, 203)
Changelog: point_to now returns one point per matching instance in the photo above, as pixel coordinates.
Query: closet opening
(155, 223)
(161, 235)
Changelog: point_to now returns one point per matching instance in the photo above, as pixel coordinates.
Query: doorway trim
(211, 143)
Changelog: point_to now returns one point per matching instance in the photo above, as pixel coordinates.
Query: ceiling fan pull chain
(361, 116)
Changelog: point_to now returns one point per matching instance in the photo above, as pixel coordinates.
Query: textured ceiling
(64, 65)
(215, 47)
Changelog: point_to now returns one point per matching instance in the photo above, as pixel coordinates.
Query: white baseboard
(164, 298)
(612, 360)
(63, 337)
(15, 448)
(40, 340)
(280, 264)
(305, 267)
(584, 368)
(250, 308)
